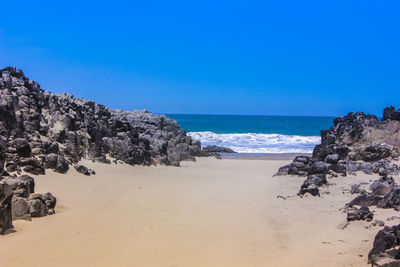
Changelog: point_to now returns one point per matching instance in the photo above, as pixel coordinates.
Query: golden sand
(205, 213)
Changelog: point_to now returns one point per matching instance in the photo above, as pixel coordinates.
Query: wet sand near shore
(205, 213)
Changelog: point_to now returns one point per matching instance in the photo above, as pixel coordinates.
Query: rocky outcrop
(359, 136)
(356, 142)
(42, 130)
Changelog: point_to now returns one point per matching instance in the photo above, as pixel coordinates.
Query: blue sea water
(256, 134)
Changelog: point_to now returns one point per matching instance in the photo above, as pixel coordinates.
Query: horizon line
(231, 114)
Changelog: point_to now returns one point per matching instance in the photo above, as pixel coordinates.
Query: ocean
(256, 134)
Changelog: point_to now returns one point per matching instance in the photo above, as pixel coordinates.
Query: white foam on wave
(259, 143)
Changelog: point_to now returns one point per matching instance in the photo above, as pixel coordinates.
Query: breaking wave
(258, 143)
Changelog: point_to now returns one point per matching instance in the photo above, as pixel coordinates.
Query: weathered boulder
(83, 169)
(382, 253)
(382, 186)
(312, 183)
(360, 214)
(56, 162)
(332, 158)
(318, 167)
(385, 194)
(338, 168)
(391, 200)
(32, 165)
(41, 204)
(37, 208)
(300, 166)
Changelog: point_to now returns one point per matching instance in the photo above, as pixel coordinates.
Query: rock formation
(50, 131)
(356, 142)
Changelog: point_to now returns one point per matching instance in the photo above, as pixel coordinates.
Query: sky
(322, 58)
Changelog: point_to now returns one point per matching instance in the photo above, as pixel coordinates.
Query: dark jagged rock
(22, 147)
(383, 186)
(318, 167)
(338, 168)
(347, 131)
(387, 112)
(384, 251)
(56, 162)
(332, 159)
(218, 149)
(41, 204)
(390, 113)
(372, 153)
(83, 169)
(32, 165)
(385, 194)
(312, 183)
(360, 214)
(391, 200)
(381, 167)
(300, 165)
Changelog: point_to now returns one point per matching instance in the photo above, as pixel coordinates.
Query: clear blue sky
(229, 57)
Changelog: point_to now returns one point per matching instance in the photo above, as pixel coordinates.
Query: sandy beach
(205, 213)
